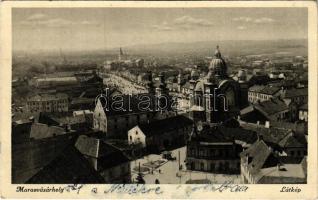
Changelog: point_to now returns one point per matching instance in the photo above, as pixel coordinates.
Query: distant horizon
(162, 43)
(76, 29)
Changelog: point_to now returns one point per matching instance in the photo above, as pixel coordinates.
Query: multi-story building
(48, 103)
(262, 93)
(161, 134)
(116, 115)
(217, 149)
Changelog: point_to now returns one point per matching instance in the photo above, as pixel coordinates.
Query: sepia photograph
(152, 95)
(143, 96)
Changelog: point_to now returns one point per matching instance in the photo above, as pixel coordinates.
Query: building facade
(259, 93)
(161, 134)
(48, 103)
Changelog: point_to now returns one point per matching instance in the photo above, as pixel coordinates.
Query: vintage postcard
(159, 100)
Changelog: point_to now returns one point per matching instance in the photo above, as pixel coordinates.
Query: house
(284, 140)
(34, 146)
(161, 134)
(108, 161)
(260, 164)
(76, 120)
(294, 145)
(116, 122)
(269, 110)
(299, 96)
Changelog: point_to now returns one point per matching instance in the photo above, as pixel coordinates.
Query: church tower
(179, 81)
(162, 87)
(149, 84)
(121, 54)
(243, 88)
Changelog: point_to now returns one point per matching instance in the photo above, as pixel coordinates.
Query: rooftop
(271, 107)
(165, 125)
(69, 166)
(264, 89)
(107, 155)
(48, 97)
(295, 92)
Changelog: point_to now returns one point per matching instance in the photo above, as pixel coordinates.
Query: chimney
(267, 124)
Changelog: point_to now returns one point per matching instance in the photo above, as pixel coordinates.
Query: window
(292, 153)
(212, 167)
(136, 132)
(130, 138)
(201, 152)
(202, 166)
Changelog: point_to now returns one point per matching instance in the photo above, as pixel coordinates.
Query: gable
(99, 109)
(132, 132)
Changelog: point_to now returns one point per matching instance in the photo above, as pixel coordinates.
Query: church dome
(217, 64)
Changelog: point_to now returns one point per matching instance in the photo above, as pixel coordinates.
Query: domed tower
(218, 65)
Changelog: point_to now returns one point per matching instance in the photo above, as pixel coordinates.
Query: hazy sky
(99, 28)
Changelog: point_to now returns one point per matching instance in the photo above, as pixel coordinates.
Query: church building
(216, 97)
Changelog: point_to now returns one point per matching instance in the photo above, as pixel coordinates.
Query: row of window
(47, 102)
(222, 166)
(211, 152)
(260, 96)
(298, 153)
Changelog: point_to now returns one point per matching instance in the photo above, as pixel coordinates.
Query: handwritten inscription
(227, 186)
(74, 187)
(131, 189)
